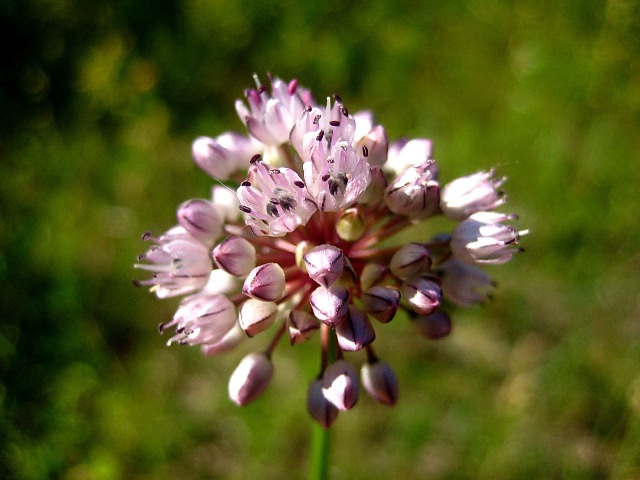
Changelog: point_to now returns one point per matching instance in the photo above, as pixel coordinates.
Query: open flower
(304, 244)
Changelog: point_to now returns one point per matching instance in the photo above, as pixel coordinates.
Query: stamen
(272, 210)
(256, 158)
(246, 183)
(334, 123)
(299, 183)
(320, 135)
(316, 119)
(344, 110)
(245, 209)
(365, 151)
(337, 97)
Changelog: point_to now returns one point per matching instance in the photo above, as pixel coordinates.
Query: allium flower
(300, 239)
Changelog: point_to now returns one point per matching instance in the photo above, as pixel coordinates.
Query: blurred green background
(100, 101)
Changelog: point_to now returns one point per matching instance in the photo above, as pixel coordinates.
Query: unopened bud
(414, 193)
(329, 305)
(411, 260)
(373, 274)
(256, 316)
(379, 380)
(301, 326)
(465, 285)
(467, 195)
(381, 302)
(265, 282)
(236, 256)
(434, 326)
(374, 192)
(319, 407)
(340, 384)
(355, 331)
(324, 264)
(350, 226)
(200, 219)
(422, 294)
(375, 144)
(250, 378)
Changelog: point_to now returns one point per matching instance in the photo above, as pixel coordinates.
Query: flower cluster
(299, 238)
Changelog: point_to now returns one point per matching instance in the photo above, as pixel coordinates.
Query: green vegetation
(100, 101)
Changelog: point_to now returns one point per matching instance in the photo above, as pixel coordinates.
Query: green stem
(320, 458)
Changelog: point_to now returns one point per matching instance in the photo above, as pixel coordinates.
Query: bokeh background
(99, 104)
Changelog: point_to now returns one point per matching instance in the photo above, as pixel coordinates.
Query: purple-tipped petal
(330, 305)
(379, 380)
(200, 219)
(265, 282)
(324, 264)
(355, 331)
(340, 384)
(256, 316)
(320, 409)
(381, 302)
(411, 260)
(422, 294)
(434, 326)
(302, 326)
(236, 256)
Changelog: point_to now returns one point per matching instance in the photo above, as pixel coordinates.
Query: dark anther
(256, 158)
(330, 160)
(272, 210)
(180, 330)
(308, 108)
(365, 151)
(316, 119)
(334, 123)
(245, 209)
(333, 186)
(343, 146)
(161, 328)
(274, 201)
(337, 97)
(146, 236)
(299, 183)
(246, 183)
(287, 201)
(136, 282)
(262, 88)
(274, 171)
(344, 111)
(325, 177)
(343, 178)
(320, 135)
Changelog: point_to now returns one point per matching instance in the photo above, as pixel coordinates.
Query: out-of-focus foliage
(100, 101)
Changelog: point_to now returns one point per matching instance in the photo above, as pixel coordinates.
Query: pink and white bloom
(309, 234)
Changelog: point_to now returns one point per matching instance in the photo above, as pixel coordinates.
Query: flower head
(302, 242)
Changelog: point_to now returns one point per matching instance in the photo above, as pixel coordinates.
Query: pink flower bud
(265, 282)
(355, 331)
(411, 260)
(405, 154)
(256, 316)
(329, 305)
(465, 285)
(414, 193)
(434, 326)
(221, 156)
(320, 409)
(373, 274)
(199, 218)
(482, 238)
(301, 326)
(381, 303)
(324, 264)
(250, 378)
(376, 188)
(235, 255)
(379, 380)
(340, 384)
(471, 194)
(422, 294)
(375, 145)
